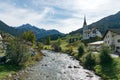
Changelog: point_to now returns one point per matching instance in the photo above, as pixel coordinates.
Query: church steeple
(85, 23)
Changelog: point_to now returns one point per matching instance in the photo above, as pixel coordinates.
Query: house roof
(117, 31)
(96, 43)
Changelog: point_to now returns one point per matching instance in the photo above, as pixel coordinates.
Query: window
(105, 41)
(106, 36)
(117, 47)
(112, 35)
(118, 40)
(108, 42)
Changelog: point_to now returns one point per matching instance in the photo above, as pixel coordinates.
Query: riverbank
(59, 66)
(106, 71)
(11, 72)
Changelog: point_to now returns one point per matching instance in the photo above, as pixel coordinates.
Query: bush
(37, 57)
(59, 41)
(81, 50)
(56, 47)
(98, 69)
(17, 52)
(88, 61)
(29, 36)
(104, 55)
(70, 49)
(40, 46)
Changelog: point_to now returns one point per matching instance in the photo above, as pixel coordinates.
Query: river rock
(76, 67)
(10, 75)
(69, 66)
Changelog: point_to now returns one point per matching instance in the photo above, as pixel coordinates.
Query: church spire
(85, 23)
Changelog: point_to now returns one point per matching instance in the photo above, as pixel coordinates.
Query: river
(59, 66)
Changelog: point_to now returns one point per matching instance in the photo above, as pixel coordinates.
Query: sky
(63, 15)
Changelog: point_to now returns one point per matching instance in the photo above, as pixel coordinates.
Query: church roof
(85, 23)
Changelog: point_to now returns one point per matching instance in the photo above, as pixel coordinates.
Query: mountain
(40, 33)
(7, 29)
(16, 31)
(109, 22)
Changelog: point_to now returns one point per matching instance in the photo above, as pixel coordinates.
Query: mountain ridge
(109, 22)
(38, 32)
(17, 31)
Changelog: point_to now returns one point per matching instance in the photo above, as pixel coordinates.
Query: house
(90, 32)
(112, 39)
(95, 45)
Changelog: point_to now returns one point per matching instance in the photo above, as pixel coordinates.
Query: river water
(59, 66)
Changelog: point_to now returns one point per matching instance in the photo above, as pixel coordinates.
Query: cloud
(17, 16)
(64, 15)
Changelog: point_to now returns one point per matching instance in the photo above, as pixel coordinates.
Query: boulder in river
(69, 66)
(76, 67)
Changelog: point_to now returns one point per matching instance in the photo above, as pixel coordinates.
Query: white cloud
(44, 13)
(18, 16)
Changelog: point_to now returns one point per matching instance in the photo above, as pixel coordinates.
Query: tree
(17, 52)
(48, 40)
(29, 36)
(105, 55)
(81, 50)
(40, 46)
(88, 61)
(59, 41)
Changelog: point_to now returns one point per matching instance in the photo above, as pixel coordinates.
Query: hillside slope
(109, 22)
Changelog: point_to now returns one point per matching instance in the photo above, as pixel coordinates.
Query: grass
(63, 45)
(5, 70)
(1, 53)
(47, 47)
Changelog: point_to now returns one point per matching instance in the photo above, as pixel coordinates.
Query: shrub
(40, 46)
(98, 69)
(29, 36)
(37, 57)
(81, 50)
(88, 61)
(70, 49)
(104, 55)
(56, 47)
(17, 52)
(59, 41)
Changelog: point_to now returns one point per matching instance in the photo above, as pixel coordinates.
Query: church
(90, 32)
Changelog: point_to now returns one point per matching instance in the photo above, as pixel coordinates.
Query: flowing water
(59, 66)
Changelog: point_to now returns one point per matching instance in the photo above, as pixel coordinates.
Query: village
(59, 40)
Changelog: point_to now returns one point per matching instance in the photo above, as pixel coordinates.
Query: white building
(0, 41)
(95, 45)
(112, 39)
(89, 32)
